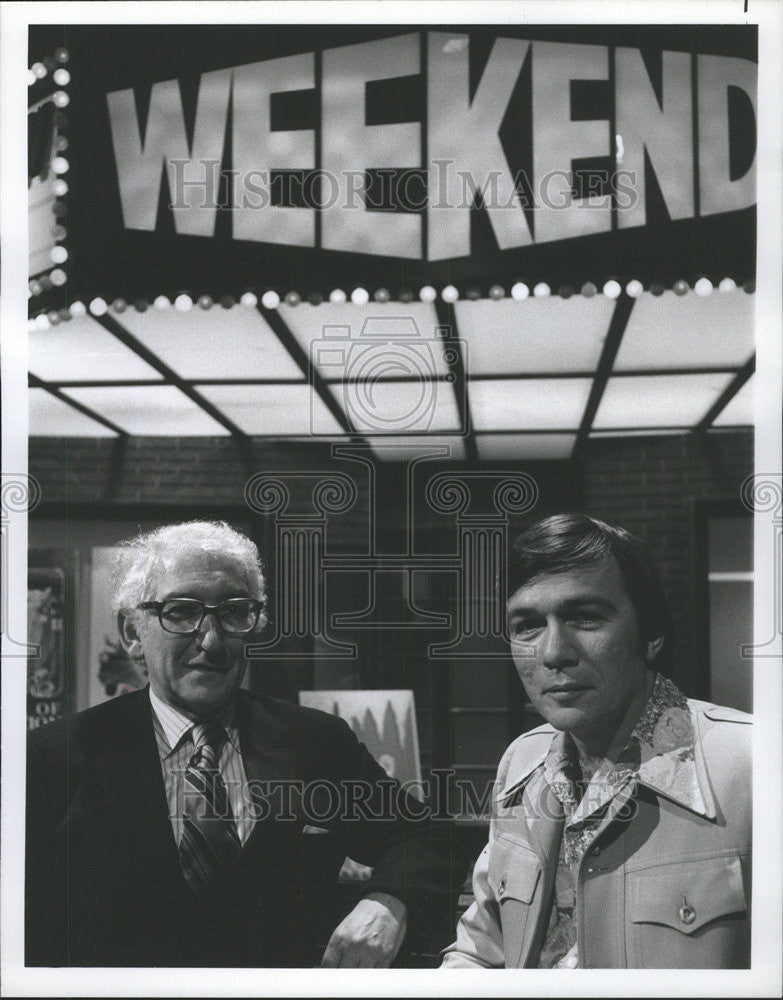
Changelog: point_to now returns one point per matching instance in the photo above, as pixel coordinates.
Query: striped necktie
(210, 841)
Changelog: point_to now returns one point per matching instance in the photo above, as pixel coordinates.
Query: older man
(621, 834)
(194, 823)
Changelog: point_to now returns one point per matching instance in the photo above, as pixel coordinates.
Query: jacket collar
(530, 756)
(673, 763)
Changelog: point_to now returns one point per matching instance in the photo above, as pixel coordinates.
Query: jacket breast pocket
(514, 874)
(688, 914)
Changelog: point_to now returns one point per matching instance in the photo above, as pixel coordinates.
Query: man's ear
(654, 647)
(129, 636)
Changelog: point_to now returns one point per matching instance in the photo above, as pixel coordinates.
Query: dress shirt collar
(659, 754)
(662, 748)
(175, 726)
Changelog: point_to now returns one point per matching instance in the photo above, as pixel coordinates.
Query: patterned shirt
(174, 735)
(659, 754)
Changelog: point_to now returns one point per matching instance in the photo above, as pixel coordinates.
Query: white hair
(144, 559)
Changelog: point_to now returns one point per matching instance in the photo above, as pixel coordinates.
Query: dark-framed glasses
(184, 615)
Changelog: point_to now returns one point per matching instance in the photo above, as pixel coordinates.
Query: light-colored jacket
(662, 886)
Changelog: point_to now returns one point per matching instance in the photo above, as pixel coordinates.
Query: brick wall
(649, 485)
(161, 470)
(181, 472)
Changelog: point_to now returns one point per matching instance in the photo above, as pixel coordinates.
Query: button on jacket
(665, 884)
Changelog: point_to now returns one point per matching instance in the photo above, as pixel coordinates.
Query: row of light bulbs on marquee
(270, 299)
(59, 166)
(51, 64)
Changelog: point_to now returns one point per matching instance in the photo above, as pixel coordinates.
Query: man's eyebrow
(569, 604)
(518, 612)
(589, 598)
(173, 594)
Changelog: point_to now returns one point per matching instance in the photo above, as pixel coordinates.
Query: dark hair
(568, 541)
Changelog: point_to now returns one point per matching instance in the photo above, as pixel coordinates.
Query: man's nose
(209, 631)
(559, 649)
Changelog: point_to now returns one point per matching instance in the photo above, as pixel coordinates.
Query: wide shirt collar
(660, 754)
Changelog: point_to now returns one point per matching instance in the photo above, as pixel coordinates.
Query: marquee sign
(217, 159)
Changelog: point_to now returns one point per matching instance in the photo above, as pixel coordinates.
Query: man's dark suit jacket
(103, 881)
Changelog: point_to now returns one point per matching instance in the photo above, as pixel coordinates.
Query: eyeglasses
(184, 615)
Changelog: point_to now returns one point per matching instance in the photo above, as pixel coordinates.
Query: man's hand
(370, 936)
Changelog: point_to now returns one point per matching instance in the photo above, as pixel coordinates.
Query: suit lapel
(537, 809)
(268, 761)
(130, 772)
(542, 812)
(266, 753)
(544, 817)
